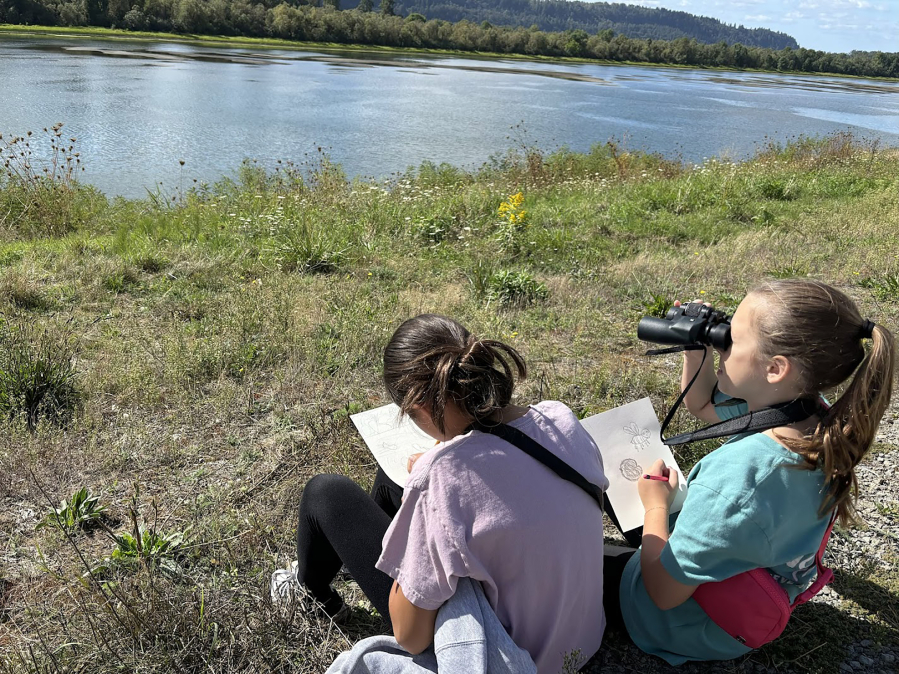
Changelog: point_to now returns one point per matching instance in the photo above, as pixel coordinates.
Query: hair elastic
(867, 331)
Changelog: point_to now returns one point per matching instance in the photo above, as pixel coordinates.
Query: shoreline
(277, 43)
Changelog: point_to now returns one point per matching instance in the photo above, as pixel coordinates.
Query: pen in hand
(660, 478)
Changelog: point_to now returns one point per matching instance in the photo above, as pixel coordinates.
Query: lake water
(137, 108)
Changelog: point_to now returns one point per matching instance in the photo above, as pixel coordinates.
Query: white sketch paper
(391, 439)
(628, 440)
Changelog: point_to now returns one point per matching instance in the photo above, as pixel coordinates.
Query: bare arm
(413, 627)
(699, 400)
(665, 591)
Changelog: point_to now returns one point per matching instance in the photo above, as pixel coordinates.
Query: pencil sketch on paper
(392, 438)
(640, 436)
(631, 470)
(628, 441)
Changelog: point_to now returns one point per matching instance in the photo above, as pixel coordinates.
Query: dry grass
(215, 378)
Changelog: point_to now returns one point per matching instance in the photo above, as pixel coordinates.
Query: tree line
(630, 20)
(366, 27)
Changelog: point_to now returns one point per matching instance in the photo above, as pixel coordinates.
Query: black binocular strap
(534, 449)
(781, 414)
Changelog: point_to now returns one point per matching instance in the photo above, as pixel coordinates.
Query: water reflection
(138, 108)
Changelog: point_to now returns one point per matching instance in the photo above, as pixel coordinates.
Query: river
(138, 109)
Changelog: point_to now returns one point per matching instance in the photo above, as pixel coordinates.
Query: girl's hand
(658, 493)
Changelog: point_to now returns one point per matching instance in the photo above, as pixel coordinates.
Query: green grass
(223, 339)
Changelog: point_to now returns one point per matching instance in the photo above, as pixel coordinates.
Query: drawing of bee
(640, 438)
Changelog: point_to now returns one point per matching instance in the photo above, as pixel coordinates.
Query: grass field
(192, 359)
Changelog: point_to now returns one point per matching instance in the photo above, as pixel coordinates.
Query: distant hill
(560, 15)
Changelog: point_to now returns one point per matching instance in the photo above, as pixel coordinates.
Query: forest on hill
(593, 17)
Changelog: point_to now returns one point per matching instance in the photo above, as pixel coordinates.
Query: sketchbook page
(629, 442)
(391, 439)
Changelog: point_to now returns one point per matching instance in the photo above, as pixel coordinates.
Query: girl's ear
(778, 369)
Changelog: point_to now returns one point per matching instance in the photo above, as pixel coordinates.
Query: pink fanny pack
(754, 608)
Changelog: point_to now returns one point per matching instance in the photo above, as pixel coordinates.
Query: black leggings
(339, 524)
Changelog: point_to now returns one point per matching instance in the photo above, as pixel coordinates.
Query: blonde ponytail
(821, 331)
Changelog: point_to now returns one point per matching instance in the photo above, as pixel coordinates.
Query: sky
(828, 25)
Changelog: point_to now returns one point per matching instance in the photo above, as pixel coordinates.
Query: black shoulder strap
(534, 449)
(781, 414)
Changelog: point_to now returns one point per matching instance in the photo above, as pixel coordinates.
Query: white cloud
(790, 17)
(756, 17)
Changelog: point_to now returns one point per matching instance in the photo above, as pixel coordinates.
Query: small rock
(855, 664)
(865, 660)
(888, 657)
(866, 643)
(844, 667)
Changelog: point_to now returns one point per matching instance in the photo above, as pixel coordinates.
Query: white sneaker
(285, 587)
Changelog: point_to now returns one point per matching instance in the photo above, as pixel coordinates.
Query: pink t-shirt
(479, 507)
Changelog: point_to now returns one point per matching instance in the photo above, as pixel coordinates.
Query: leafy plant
(145, 546)
(303, 250)
(478, 277)
(513, 223)
(79, 512)
(122, 280)
(657, 306)
(514, 288)
(778, 189)
(37, 372)
(432, 229)
(884, 287)
(792, 269)
(149, 547)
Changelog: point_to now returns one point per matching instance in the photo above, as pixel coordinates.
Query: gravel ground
(834, 633)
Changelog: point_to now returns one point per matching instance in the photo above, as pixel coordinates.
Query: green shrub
(885, 288)
(657, 306)
(301, 249)
(778, 189)
(516, 288)
(23, 293)
(432, 229)
(37, 372)
(151, 263)
(122, 280)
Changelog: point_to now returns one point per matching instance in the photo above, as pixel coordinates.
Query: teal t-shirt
(748, 506)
